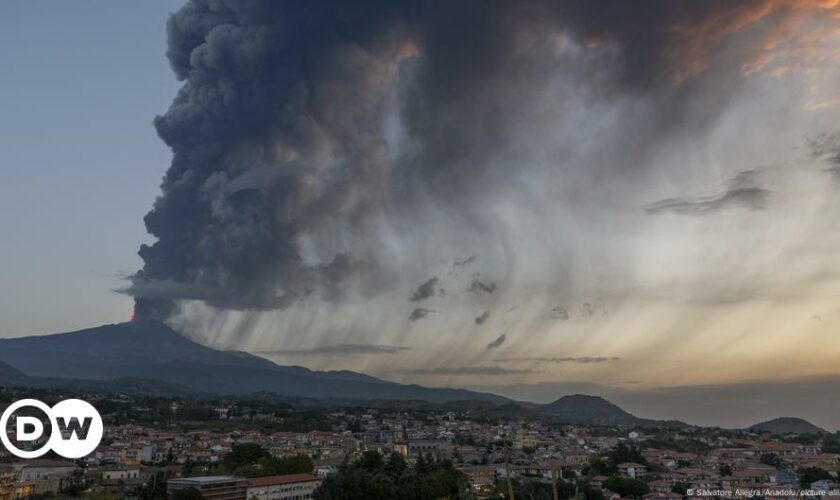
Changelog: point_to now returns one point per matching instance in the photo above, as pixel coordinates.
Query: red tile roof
(287, 479)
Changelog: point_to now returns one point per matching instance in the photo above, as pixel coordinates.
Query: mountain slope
(787, 425)
(10, 376)
(149, 350)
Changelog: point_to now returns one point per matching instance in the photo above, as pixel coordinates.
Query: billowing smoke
(591, 171)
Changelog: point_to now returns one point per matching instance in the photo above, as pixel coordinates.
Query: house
(632, 469)
(480, 476)
(286, 487)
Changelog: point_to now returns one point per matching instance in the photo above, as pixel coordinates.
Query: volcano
(150, 350)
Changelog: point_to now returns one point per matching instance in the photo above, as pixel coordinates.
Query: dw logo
(75, 428)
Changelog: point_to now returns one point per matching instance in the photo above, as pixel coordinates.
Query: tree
(373, 477)
(623, 453)
(808, 475)
(244, 454)
(680, 488)
(725, 470)
(771, 459)
(627, 487)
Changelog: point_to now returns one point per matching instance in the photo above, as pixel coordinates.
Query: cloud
(419, 313)
(480, 319)
(342, 349)
(741, 192)
(826, 147)
(498, 342)
(465, 261)
(558, 360)
(478, 287)
(560, 313)
(468, 370)
(426, 290)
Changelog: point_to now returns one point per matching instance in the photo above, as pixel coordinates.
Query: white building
(288, 487)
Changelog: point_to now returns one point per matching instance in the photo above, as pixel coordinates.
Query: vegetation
(771, 459)
(627, 487)
(372, 477)
(252, 460)
(808, 475)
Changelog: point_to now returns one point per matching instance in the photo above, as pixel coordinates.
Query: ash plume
(301, 126)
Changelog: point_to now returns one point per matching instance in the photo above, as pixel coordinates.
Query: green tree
(808, 475)
(725, 470)
(771, 459)
(373, 477)
(627, 487)
(623, 453)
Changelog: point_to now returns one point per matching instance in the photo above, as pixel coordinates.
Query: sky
(633, 196)
(80, 160)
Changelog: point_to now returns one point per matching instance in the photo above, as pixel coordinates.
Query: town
(264, 448)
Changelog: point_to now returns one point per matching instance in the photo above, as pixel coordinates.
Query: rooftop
(286, 479)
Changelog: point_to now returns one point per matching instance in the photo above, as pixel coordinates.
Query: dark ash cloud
(426, 290)
(340, 349)
(468, 370)
(480, 319)
(276, 133)
(479, 287)
(419, 313)
(497, 343)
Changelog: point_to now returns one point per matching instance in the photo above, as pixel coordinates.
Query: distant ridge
(594, 410)
(147, 352)
(787, 425)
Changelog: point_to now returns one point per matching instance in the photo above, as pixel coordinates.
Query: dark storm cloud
(341, 349)
(419, 313)
(426, 290)
(558, 360)
(277, 139)
(468, 370)
(481, 318)
(497, 343)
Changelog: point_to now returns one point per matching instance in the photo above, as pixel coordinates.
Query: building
(8, 477)
(288, 487)
(212, 487)
(632, 469)
(480, 477)
(438, 448)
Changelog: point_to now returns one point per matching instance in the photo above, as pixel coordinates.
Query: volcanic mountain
(150, 350)
(594, 410)
(787, 425)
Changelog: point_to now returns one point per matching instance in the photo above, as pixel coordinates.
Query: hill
(787, 425)
(144, 351)
(594, 410)
(11, 376)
